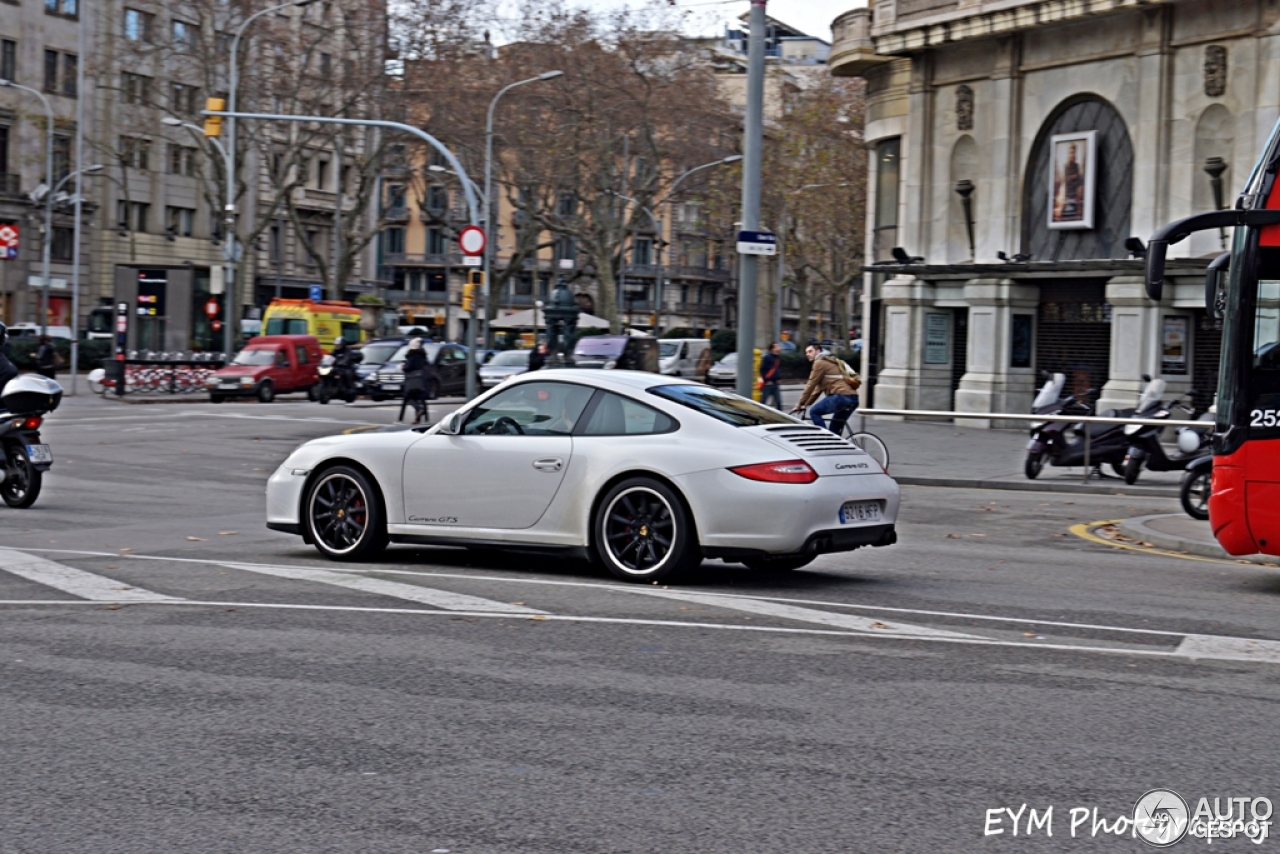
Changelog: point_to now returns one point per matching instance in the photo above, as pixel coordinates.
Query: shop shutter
(1073, 333)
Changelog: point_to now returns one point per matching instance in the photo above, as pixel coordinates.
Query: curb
(1138, 529)
(1037, 486)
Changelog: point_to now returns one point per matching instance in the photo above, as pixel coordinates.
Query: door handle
(549, 464)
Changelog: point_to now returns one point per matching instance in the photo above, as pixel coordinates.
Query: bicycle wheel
(871, 443)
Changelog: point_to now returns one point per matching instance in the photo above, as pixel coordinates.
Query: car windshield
(431, 349)
(255, 358)
(607, 346)
(510, 358)
(377, 354)
(722, 405)
(667, 349)
(731, 359)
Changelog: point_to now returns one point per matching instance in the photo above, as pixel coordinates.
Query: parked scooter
(24, 402)
(1145, 447)
(1060, 443)
(1197, 485)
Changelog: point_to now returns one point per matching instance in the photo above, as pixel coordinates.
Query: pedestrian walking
(538, 357)
(770, 370)
(839, 382)
(46, 358)
(417, 382)
(8, 370)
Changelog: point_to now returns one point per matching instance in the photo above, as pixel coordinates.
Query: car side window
(453, 354)
(530, 409)
(302, 355)
(282, 359)
(616, 415)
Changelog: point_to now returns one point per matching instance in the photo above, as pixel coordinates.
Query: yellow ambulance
(327, 320)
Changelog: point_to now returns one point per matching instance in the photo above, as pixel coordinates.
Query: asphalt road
(176, 678)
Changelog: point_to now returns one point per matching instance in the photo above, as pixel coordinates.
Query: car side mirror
(452, 424)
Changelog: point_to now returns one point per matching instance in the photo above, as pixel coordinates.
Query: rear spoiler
(1178, 231)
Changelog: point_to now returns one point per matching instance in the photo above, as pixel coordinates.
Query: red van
(267, 366)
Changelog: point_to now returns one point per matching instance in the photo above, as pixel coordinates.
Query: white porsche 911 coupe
(645, 473)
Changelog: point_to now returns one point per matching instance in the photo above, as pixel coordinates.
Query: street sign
(472, 261)
(472, 240)
(317, 293)
(9, 242)
(757, 243)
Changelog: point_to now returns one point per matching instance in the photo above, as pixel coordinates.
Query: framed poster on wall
(1073, 161)
(1173, 346)
(937, 339)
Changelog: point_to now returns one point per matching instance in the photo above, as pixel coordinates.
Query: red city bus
(1244, 507)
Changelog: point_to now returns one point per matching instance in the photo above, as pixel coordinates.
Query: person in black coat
(46, 358)
(417, 381)
(8, 370)
(538, 357)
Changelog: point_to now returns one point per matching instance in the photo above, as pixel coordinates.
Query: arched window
(1112, 168)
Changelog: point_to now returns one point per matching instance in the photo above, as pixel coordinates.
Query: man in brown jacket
(841, 394)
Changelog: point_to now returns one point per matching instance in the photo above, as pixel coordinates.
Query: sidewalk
(1180, 533)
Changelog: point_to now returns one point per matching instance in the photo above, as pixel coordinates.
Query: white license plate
(859, 511)
(391, 386)
(40, 453)
(228, 385)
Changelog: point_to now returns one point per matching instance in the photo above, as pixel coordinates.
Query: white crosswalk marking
(412, 592)
(806, 615)
(1230, 649)
(77, 582)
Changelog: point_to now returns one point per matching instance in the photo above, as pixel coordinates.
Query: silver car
(645, 474)
(724, 372)
(504, 366)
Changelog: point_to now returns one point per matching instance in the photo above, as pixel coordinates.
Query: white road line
(804, 615)
(411, 592)
(1230, 649)
(77, 582)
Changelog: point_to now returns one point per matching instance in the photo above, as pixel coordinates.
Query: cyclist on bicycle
(838, 381)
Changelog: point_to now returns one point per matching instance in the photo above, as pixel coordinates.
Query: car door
(452, 370)
(503, 470)
(280, 372)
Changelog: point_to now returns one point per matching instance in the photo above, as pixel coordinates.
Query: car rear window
(609, 347)
(721, 405)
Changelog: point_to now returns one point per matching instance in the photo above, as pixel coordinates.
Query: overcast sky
(811, 16)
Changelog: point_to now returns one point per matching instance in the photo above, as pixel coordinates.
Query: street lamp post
(231, 246)
(659, 224)
(48, 206)
(782, 253)
(488, 203)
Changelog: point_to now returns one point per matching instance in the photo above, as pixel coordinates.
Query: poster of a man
(1071, 185)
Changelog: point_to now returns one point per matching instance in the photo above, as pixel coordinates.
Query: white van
(679, 357)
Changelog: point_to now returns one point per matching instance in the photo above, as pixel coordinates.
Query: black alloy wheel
(22, 485)
(1034, 464)
(644, 533)
(1195, 492)
(344, 515)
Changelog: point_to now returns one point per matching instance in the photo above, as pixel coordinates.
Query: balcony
(704, 309)
(421, 297)
(852, 51)
(706, 274)
(399, 213)
(10, 184)
(421, 259)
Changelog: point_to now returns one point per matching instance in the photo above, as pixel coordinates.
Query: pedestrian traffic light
(468, 297)
(213, 124)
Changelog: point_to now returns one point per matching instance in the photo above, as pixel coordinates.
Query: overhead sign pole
(752, 166)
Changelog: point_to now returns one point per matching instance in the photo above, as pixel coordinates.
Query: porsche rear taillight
(786, 471)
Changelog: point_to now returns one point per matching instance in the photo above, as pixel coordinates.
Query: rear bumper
(819, 543)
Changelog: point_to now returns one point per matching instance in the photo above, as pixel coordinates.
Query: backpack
(848, 373)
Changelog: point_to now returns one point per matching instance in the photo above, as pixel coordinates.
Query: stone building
(1018, 148)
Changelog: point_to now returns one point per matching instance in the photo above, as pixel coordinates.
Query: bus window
(286, 326)
(1266, 326)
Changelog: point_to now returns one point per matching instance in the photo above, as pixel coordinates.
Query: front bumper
(284, 499)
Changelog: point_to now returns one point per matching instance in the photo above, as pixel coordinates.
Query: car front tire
(266, 393)
(343, 515)
(643, 533)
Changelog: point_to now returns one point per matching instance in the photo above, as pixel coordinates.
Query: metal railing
(1019, 416)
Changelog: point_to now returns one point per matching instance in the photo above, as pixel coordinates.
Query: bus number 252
(1265, 418)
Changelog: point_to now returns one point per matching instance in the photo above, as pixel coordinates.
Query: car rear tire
(779, 564)
(643, 533)
(266, 393)
(343, 515)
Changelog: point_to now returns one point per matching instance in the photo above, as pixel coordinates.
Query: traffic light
(475, 281)
(213, 124)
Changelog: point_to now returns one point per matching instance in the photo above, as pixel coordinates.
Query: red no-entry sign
(472, 240)
(211, 308)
